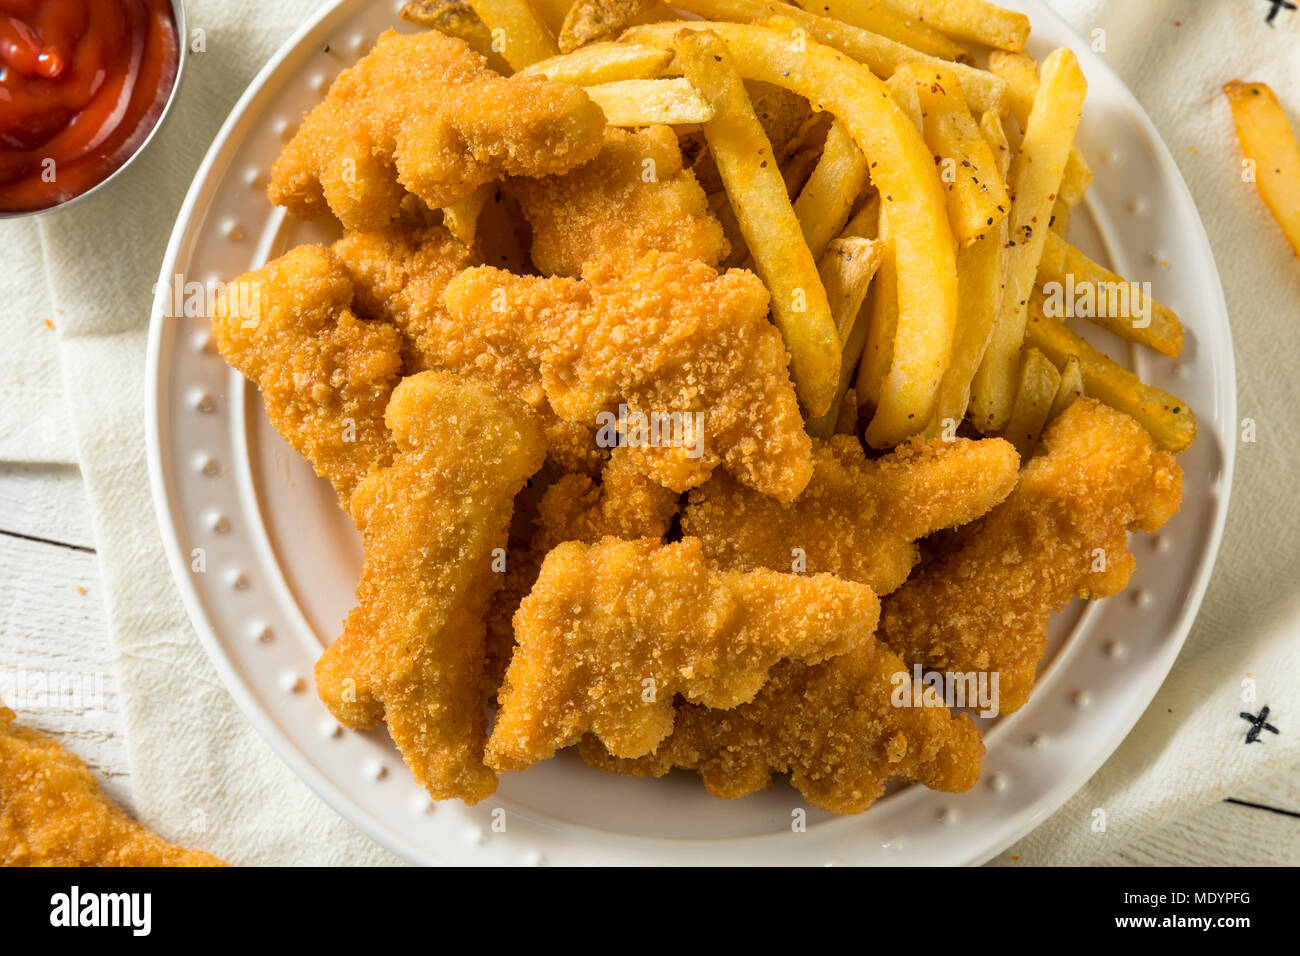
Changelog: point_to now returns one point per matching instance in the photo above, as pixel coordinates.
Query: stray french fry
(827, 198)
(880, 18)
(880, 54)
(1070, 389)
(649, 102)
(1061, 217)
(762, 205)
(1021, 73)
(977, 195)
(1170, 422)
(908, 185)
(980, 268)
(972, 20)
(1039, 383)
(598, 63)
(516, 30)
(846, 269)
(1035, 179)
(457, 18)
(1077, 286)
(1270, 148)
(461, 217)
(589, 20)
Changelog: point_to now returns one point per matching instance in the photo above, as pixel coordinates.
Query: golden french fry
(1269, 146)
(1039, 383)
(1170, 422)
(879, 18)
(456, 18)
(977, 195)
(866, 221)
(846, 269)
(1061, 217)
(880, 54)
(902, 87)
(598, 63)
(921, 237)
(1021, 74)
(650, 102)
(517, 31)
(762, 205)
(461, 217)
(827, 198)
(980, 268)
(847, 423)
(1074, 285)
(552, 13)
(589, 20)
(1070, 389)
(1036, 173)
(971, 20)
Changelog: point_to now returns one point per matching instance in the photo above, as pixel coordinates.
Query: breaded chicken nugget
(325, 374)
(52, 812)
(833, 727)
(669, 339)
(1061, 533)
(858, 518)
(422, 112)
(400, 274)
(412, 652)
(625, 504)
(632, 198)
(612, 632)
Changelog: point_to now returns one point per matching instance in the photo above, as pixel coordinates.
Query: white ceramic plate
(281, 559)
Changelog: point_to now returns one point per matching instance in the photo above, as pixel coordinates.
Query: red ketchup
(82, 83)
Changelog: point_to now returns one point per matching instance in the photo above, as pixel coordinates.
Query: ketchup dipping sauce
(82, 84)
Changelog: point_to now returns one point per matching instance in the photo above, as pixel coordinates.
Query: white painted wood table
(53, 627)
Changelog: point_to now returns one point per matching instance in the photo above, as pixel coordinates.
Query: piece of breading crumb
(612, 632)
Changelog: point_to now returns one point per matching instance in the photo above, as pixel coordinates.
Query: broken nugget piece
(680, 361)
(423, 113)
(858, 518)
(325, 374)
(412, 651)
(836, 727)
(983, 605)
(52, 812)
(612, 632)
(632, 198)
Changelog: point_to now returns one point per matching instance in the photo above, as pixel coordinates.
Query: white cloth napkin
(199, 770)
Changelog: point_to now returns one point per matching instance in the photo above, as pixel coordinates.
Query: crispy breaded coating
(412, 651)
(400, 275)
(632, 198)
(422, 113)
(325, 374)
(858, 518)
(52, 812)
(612, 632)
(625, 504)
(1061, 533)
(832, 726)
(668, 338)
